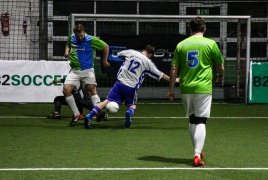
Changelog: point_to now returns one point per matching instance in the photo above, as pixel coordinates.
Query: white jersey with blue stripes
(135, 67)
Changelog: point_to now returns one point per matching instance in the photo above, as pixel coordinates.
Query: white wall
(17, 45)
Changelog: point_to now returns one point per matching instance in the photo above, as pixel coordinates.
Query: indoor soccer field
(156, 146)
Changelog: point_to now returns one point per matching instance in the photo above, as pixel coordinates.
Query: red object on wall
(5, 24)
(24, 26)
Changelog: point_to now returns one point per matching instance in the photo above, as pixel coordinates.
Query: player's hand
(177, 80)
(66, 54)
(219, 79)
(171, 96)
(106, 64)
(55, 81)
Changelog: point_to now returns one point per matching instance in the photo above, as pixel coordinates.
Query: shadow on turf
(63, 122)
(122, 126)
(167, 160)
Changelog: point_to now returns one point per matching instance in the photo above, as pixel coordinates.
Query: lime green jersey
(82, 53)
(195, 58)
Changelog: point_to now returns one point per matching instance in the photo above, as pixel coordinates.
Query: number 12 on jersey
(133, 65)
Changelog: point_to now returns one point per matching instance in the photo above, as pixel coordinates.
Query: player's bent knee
(57, 98)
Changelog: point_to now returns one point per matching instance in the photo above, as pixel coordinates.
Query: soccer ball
(112, 107)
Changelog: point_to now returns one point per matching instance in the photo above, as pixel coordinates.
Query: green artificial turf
(156, 146)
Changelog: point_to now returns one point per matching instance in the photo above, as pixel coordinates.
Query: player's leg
(199, 140)
(200, 135)
(89, 82)
(95, 99)
(130, 95)
(80, 106)
(72, 81)
(114, 95)
(69, 98)
(202, 106)
(80, 116)
(188, 103)
(92, 91)
(84, 103)
(58, 101)
(192, 127)
(96, 110)
(129, 114)
(189, 108)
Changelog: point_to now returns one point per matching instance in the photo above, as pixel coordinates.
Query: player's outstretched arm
(105, 53)
(172, 75)
(67, 52)
(167, 78)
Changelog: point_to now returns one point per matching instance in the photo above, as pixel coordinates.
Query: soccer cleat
(75, 119)
(128, 120)
(100, 116)
(87, 121)
(105, 117)
(198, 161)
(202, 155)
(54, 115)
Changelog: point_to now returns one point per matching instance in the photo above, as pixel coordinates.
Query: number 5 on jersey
(192, 59)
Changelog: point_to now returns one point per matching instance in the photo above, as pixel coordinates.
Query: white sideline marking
(176, 103)
(130, 169)
(32, 117)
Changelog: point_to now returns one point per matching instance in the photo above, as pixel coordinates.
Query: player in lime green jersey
(194, 58)
(80, 49)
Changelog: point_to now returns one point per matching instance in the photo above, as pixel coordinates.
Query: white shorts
(75, 77)
(197, 104)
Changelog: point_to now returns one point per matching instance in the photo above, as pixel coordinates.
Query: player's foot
(54, 115)
(87, 121)
(100, 116)
(202, 155)
(105, 117)
(198, 161)
(75, 119)
(128, 120)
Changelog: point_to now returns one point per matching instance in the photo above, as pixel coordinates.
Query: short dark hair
(78, 28)
(197, 24)
(150, 49)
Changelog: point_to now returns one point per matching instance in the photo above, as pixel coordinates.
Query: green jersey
(195, 57)
(82, 53)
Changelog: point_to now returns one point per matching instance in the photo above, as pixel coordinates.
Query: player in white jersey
(129, 78)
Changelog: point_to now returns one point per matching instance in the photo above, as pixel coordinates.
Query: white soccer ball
(112, 107)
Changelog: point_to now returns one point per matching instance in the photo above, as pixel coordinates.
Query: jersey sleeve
(154, 72)
(97, 43)
(216, 54)
(175, 59)
(122, 54)
(69, 42)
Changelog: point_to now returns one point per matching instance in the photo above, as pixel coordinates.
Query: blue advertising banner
(165, 45)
